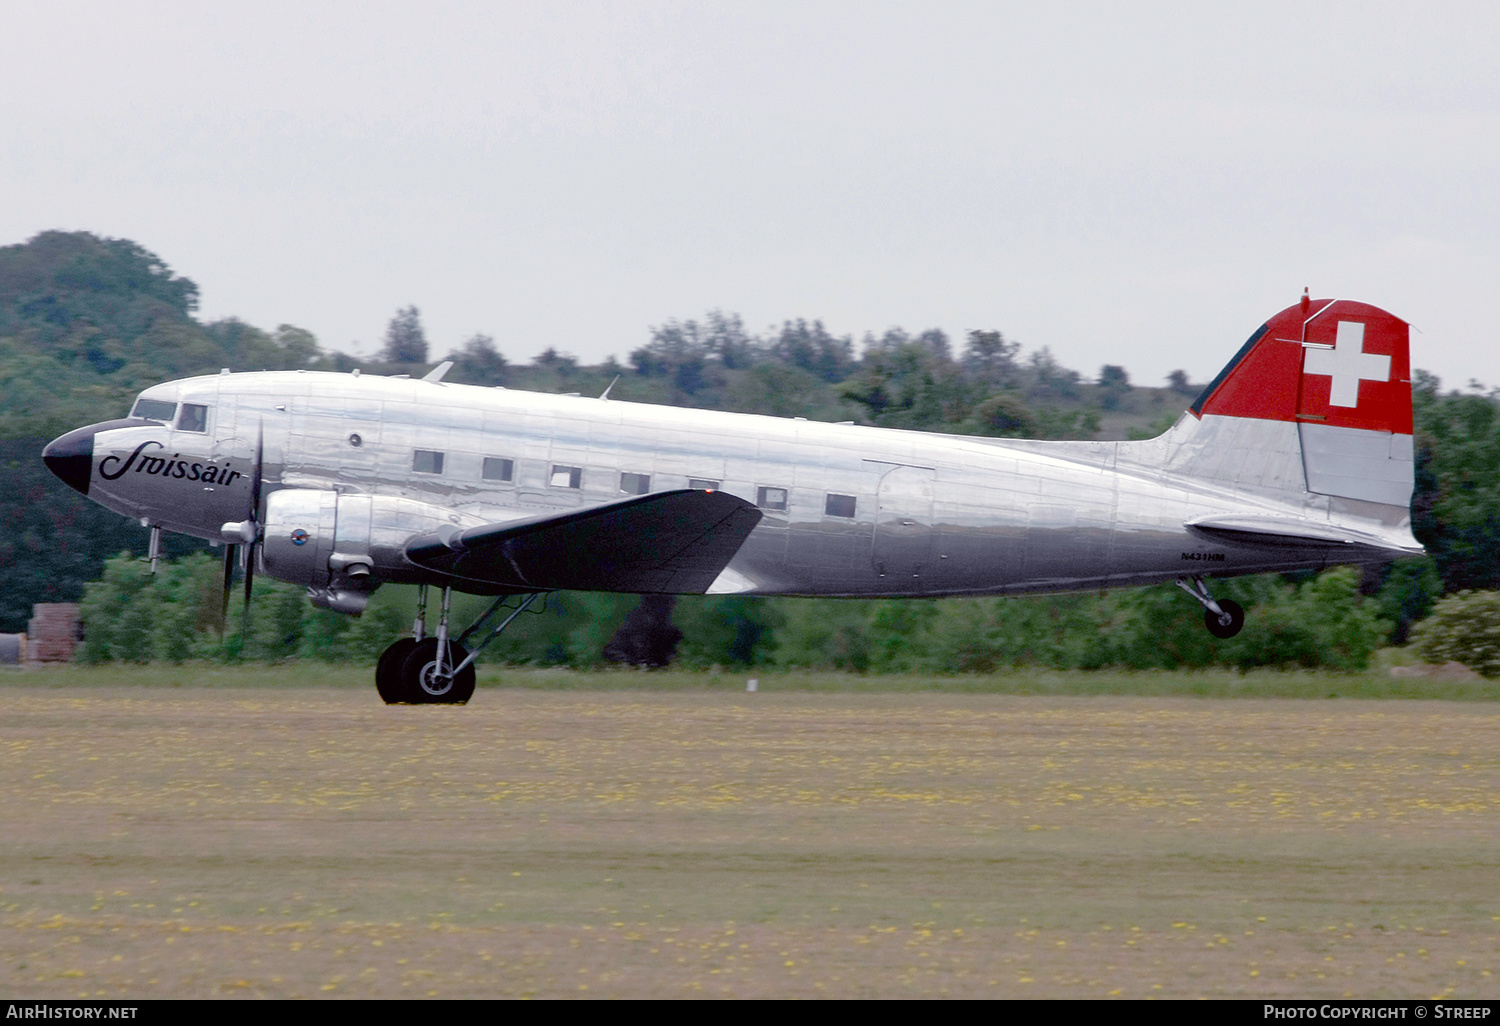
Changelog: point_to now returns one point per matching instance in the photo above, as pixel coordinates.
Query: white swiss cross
(1348, 364)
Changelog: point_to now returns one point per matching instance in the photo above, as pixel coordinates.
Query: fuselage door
(905, 540)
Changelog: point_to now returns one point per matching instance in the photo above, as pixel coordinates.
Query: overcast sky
(1140, 184)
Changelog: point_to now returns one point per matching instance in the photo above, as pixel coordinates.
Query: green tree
(1050, 379)
(244, 346)
(812, 348)
(299, 347)
(725, 337)
(405, 341)
(480, 363)
(780, 391)
(1348, 629)
(1407, 593)
(107, 632)
(1114, 385)
(1463, 628)
(369, 635)
(1178, 382)
(1456, 505)
(1005, 415)
(904, 384)
(991, 358)
(822, 634)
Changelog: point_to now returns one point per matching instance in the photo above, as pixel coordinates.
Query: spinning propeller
(244, 535)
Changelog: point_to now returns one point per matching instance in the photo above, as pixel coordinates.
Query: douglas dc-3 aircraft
(1297, 456)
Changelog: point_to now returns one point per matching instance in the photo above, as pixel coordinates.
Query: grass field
(1210, 683)
(280, 833)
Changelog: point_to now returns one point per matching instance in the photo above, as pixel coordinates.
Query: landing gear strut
(1223, 618)
(420, 670)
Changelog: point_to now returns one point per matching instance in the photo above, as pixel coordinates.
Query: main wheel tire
(422, 684)
(388, 672)
(1234, 613)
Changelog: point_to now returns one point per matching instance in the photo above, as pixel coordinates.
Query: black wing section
(671, 542)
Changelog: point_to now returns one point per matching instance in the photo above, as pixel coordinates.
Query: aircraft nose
(71, 457)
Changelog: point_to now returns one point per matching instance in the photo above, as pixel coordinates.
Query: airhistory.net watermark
(46, 1010)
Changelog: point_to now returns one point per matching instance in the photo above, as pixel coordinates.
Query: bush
(1463, 628)
(132, 616)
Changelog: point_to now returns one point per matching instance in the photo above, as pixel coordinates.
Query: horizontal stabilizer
(1257, 529)
(671, 542)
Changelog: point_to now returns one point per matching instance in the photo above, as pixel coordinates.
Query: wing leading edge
(671, 542)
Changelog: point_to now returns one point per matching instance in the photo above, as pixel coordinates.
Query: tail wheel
(388, 672)
(1227, 625)
(423, 682)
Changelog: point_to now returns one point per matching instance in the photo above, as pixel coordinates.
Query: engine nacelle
(342, 546)
(299, 534)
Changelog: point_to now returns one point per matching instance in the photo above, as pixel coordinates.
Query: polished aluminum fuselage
(931, 514)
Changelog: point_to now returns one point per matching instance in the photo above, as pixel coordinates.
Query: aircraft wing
(676, 542)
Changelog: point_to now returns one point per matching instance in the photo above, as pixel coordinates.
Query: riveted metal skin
(1266, 472)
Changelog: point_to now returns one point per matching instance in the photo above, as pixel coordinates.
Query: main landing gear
(421, 670)
(1223, 618)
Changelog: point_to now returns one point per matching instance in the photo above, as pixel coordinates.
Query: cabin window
(635, 484)
(566, 477)
(497, 469)
(839, 506)
(194, 417)
(771, 498)
(425, 461)
(703, 483)
(153, 409)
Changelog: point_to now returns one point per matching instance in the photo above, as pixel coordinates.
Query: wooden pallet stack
(52, 632)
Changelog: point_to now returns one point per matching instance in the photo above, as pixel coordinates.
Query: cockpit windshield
(190, 417)
(154, 409)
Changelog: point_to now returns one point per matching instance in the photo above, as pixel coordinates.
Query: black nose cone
(71, 457)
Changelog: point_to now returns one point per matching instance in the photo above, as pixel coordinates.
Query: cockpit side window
(154, 409)
(193, 417)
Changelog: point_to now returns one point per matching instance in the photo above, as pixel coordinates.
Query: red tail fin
(1324, 361)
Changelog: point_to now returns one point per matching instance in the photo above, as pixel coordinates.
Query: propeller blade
(228, 580)
(253, 543)
(256, 476)
(250, 554)
(245, 609)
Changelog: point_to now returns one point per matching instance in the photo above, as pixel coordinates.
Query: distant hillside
(86, 322)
